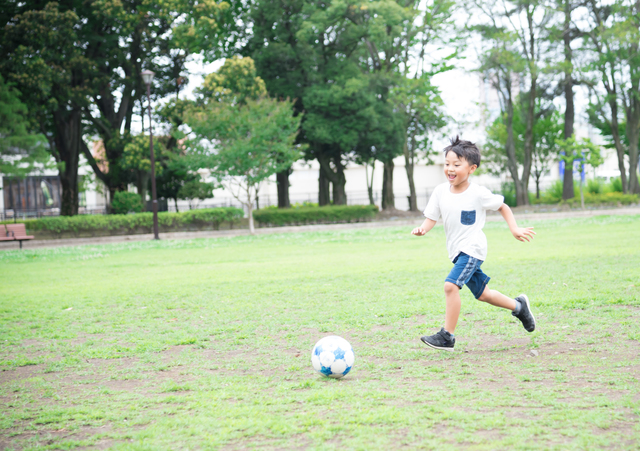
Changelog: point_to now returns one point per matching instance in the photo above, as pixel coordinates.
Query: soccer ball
(333, 357)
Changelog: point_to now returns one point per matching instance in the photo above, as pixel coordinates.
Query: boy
(463, 206)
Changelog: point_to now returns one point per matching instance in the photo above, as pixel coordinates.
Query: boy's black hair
(464, 149)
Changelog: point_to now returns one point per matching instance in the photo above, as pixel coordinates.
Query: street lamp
(147, 77)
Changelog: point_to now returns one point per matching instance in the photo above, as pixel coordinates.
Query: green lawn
(205, 344)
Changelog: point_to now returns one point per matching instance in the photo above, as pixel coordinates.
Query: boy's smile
(457, 171)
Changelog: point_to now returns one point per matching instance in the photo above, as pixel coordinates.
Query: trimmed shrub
(125, 202)
(131, 224)
(613, 198)
(315, 215)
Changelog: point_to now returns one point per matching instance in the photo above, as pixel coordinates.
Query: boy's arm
(424, 228)
(519, 233)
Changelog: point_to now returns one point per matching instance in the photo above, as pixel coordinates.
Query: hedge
(101, 225)
(613, 198)
(315, 215)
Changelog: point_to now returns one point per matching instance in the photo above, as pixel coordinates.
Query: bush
(614, 186)
(594, 186)
(104, 225)
(125, 202)
(613, 198)
(314, 215)
(508, 190)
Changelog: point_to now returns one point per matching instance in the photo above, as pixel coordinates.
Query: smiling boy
(463, 207)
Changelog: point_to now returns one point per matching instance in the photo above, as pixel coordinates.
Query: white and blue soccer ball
(332, 357)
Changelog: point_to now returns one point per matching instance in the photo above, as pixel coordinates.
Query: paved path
(522, 217)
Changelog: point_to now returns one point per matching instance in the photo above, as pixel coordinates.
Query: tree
(547, 131)
(133, 35)
(176, 172)
(517, 42)
(322, 55)
(421, 106)
(20, 149)
(196, 190)
(78, 66)
(244, 145)
(614, 41)
(567, 32)
(41, 53)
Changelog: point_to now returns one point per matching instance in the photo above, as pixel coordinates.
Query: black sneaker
(525, 315)
(442, 340)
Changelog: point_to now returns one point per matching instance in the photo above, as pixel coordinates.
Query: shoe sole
(436, 347)
(526, 299)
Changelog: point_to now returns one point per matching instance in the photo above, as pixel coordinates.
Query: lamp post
(147, 77)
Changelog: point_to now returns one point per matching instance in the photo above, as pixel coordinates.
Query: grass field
(205, 344)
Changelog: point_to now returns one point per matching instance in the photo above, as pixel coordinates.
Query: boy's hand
(523, 233)
(419, 231)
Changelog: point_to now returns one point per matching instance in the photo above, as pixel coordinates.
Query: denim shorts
(466, 271)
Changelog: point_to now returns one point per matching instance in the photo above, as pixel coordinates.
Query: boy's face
(457, 170)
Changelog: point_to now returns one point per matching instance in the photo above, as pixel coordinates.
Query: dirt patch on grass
(547, 376)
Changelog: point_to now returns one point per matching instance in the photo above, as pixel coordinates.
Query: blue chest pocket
(468, 217)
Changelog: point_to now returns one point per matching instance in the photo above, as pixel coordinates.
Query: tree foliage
(21, 150)
(245, 145)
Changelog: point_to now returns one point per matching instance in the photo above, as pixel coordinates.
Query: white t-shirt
(464, 215)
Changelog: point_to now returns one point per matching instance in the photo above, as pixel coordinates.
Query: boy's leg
(519, 306)
(498, 299)
(452, 312)
(445, 340)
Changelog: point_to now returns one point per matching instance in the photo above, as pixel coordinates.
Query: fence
(15, 215)
(268, 200)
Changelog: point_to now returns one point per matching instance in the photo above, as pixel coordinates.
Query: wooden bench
(3, 234)
(15, 232)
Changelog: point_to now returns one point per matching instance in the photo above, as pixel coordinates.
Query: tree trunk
(528, 143)
(324, 195)
(409, 164)
(633, 120)
(68, 139)
(370, 181)
(141, 186)
(69, 183)
(510, 147)
(337, 178)
(388, 199)
(282, 180)
(175, 202)
(339, 189)
(569, 112)
(252, 230)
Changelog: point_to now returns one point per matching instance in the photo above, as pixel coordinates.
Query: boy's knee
(451, 288)
(484, 297)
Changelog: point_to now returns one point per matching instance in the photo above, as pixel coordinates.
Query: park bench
(14, 232)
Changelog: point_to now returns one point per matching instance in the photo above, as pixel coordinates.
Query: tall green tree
(614, 41)
(432, 27)
(279, 61)
(80, 63)
(517, 42)
(422, 115)
(323, 56)
(41, 52)
(566, 33)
